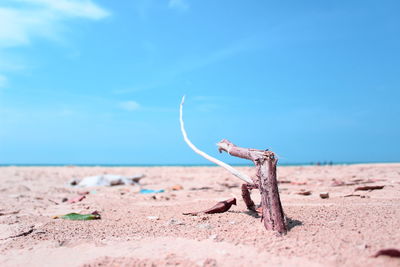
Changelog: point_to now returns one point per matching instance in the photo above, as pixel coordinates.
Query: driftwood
(265, 180)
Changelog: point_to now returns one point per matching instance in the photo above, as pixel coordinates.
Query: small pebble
(304, 192)
(177, 187)
(324, 195)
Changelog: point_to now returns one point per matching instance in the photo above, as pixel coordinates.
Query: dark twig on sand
(369, 187)
(28, 232)
(9, 212)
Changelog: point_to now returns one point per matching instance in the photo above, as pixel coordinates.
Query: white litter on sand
(107, 180)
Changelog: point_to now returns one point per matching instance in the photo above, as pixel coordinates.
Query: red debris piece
(76, 199)
(304, 193)
(369, 187)
(391, 252)
(298, 183)
(220, 207)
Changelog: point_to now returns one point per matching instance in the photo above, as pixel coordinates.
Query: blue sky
(99, 82)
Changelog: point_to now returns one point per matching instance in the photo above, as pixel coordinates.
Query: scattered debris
(368, 181)
(9, 212)
(391, 252)
(52, 201)
(354, 182)
(324, 195)
(220, 207)
(229, 186)
(107, 180)
(177, 187)
(369, 187)
(298, 183)
(79, 217)
(304, 192)
(200, 188)
(355, 195)
(342, 183)
(357, 180)
(76, 199)
(337, 183)
(150, 191)
(173, 221)
(25, 233)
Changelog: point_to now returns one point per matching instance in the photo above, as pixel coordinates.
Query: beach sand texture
(150, 229)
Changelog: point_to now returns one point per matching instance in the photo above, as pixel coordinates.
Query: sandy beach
(135, 229)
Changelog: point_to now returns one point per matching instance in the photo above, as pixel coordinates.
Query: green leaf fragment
(80, 217)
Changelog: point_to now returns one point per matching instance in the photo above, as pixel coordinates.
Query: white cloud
(181, 5)
(22, 20)
(129, 105)
(76, 8)
(3, 80)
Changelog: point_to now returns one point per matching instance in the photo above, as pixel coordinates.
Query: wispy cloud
(193, 63)
(22, 20)
(75, 8)
(180, 5)
(129, 105)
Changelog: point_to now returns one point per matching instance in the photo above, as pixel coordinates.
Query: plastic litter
(150, 191)
(79, 217)
(107, 180)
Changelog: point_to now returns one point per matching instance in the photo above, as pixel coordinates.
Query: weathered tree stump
(265, 181)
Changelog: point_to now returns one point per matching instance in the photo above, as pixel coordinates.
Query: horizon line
(320, 163)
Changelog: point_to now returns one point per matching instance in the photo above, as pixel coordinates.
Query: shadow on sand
(291, 223)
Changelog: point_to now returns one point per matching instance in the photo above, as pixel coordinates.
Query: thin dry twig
(9, 212)
(25, 233)
(369, 187)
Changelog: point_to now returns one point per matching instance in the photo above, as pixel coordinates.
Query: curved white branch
(229, 168)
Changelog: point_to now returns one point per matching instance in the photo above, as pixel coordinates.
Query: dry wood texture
(265, 161)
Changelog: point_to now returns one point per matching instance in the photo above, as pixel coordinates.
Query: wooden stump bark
(265, 181)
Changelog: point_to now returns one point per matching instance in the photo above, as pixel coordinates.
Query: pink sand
(150, 230)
